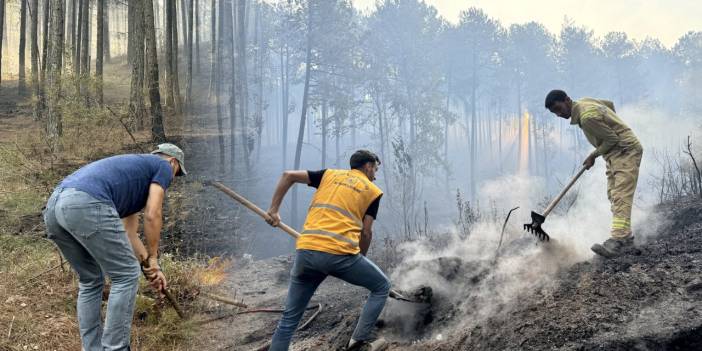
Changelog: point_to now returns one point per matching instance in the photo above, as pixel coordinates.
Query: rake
(538, 219)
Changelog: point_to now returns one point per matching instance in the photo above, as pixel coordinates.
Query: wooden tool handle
(563, 192)
(231, 193)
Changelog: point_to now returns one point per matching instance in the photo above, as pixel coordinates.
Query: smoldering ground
(473, 279)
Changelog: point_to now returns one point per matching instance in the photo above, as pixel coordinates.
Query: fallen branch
(504, 226)
(319, 308)
(9, 332)
(40, 274)
(224, 300)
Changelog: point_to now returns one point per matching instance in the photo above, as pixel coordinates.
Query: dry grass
(37, 300)
(38, 312)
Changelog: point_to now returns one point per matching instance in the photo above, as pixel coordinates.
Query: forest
(251, 88)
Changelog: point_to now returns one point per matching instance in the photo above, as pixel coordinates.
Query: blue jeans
(92, 238)
(309, 270)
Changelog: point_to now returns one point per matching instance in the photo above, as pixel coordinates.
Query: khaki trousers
(622, 176)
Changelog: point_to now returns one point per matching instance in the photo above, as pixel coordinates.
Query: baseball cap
(174, 151)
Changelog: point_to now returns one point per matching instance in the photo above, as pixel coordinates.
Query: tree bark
(22, 84)
(34, 49)
(168, 43)
(285, 87)
(234, 87)
(106, 33)
(45, 40)
(53, 115)
(184, 21)
(217, 77)
(189, 52)
(85, 43)
(158, 134)
(175, 84)
(76, 9)
(213, 40)
(136, 97)
(243, 80)
(100, 50)
(324, 133)
(197, 36)
(303, 114)
(2, 27)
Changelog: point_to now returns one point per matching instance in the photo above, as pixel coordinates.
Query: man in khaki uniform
(617, 144)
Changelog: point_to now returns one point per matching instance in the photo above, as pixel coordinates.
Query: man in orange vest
(334, 241)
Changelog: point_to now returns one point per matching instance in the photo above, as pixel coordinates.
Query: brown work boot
(613, 247)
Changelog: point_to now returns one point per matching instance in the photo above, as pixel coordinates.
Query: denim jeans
(92, 238)
(309, 270)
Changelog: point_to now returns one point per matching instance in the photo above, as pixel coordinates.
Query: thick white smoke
(524, 265)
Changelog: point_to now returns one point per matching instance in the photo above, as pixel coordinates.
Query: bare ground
(649, 301)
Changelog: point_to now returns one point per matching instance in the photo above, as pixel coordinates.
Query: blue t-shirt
(122, 180)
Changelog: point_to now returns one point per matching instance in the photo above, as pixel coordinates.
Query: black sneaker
(613, 247)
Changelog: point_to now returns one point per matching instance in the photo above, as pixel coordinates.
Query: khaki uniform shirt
(602, 127)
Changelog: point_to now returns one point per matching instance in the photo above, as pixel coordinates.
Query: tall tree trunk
(473, 136)
(189, 52)
(259, 66)
(184, 21)
(216, 76)
(45, 40)
(55, 56)
(84, 46)
(168, 43)
(34, 47)
(213, 38)
(197, 36)
(380, 105)
(106, 33)
(285, 86)
(158, 134)
(75, 35)
(175, 84)
(22, 84)
(100, 50)
(324, 133)
(2, 27)
(136, 96)
(303, 114)
(85, 39)
(234, 86)
(243, 80)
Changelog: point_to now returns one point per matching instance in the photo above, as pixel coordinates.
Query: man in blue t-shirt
(93, 217)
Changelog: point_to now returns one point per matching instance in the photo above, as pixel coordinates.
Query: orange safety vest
(335, 217)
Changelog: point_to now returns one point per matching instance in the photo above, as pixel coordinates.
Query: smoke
(470, 278)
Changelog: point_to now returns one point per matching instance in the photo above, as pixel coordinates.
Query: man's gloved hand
(589, 161)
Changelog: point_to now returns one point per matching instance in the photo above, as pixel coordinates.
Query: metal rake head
(535, 226)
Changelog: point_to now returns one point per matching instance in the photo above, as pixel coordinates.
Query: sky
(666, 20)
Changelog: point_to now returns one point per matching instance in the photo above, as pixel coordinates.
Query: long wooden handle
(563, 192)
(231, 193)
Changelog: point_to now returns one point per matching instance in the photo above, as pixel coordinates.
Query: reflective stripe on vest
(340, 210)
(334, 235)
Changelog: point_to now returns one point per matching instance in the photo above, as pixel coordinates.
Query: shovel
(538, 219)
(422, 296)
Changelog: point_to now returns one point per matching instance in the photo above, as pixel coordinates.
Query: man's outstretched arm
(366, 234)
(286, 181)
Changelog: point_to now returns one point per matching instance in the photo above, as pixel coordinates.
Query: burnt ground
(650, 301)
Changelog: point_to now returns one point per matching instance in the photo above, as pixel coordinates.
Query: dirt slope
(650, 301)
